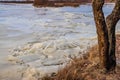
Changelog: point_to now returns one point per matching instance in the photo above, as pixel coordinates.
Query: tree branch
(99, 15)
(111, 22)
(115, 15)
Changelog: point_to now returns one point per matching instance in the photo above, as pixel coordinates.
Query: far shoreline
(53, 5)
(17, 2)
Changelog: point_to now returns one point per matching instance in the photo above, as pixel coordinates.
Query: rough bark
(102, 32)
(111, 22)
(106, 33)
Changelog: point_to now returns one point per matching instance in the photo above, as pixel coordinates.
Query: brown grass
(87, 67)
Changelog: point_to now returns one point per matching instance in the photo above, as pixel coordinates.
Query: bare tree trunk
(106, 33)
(111, 22)
(102, 32)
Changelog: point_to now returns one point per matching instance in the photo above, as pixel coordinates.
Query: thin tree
(106, 33)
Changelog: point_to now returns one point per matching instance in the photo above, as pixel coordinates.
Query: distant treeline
(58, 3)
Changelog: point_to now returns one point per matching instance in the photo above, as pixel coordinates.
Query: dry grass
(87, 67)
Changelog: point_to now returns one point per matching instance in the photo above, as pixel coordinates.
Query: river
(45, 34)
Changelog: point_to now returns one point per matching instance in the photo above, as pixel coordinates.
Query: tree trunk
(102, 32)
(106, 33)
(111, 22)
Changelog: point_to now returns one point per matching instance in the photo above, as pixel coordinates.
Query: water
(53, 32)
(65, 22)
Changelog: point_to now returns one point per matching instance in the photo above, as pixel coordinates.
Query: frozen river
(18, 20)
(46, 35)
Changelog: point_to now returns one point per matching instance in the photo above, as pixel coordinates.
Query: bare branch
(115, 15)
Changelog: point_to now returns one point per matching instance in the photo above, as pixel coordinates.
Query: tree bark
(102, 32)
(106, 33)
(111, 22)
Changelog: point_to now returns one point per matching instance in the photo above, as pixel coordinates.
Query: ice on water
(47, 37)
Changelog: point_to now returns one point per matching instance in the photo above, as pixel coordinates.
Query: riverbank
(17, 2)
(87, 67)
(54, 3)
(38, 41)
